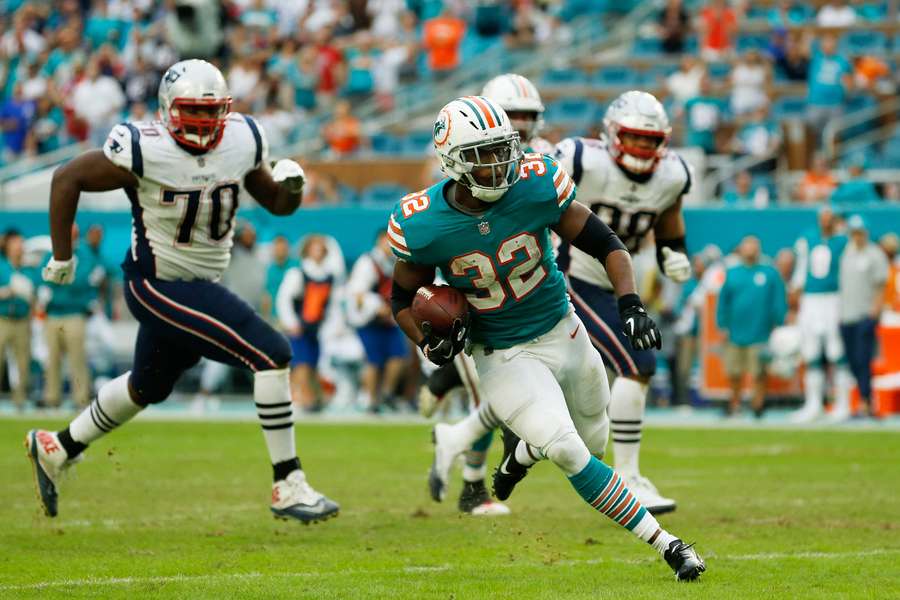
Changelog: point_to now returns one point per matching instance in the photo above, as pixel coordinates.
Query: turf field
(180, 510)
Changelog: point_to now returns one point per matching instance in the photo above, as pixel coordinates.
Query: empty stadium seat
(384, 143)
(718, 70)
(789, 107)
(614, 76)
(563, 77)
(752, 41)
(416, 142)
(572, 112)
(872, 11)
(646, 47)
(383, 193)
(863, 42)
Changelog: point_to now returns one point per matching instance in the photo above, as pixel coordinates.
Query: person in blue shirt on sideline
(752, 302)
(68, 308)
(16, 294)
(858, 188)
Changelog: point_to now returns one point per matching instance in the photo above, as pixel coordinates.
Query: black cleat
(684, 560)
(475, 500)
(510, 472)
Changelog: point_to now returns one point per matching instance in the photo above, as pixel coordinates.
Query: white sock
(527, 455)
(843, 383)
(473, 426)
(626, 417)
(112, 407)
(272, 395)
(813, 389)
(647, 529)
(471, 474)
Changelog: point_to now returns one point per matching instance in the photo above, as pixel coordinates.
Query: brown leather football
(440, 305)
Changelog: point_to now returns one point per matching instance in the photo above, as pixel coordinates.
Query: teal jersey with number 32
(501, 259)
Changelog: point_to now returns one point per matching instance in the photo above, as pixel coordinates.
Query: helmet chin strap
(487, 194)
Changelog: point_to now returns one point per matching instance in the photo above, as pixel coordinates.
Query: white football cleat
(48, 461)
(838, 414)
(446, 449)
(294, 498)
(647, 494)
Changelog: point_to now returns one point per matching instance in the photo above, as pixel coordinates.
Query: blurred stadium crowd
(349, 355)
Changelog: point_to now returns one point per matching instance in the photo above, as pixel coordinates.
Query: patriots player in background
(635, 185)
(487, 227)
(816, 279)
(183, 176)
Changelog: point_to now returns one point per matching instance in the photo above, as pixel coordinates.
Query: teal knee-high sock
(602, 488)
(476, 457)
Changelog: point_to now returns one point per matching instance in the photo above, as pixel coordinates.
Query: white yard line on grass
(412, 569)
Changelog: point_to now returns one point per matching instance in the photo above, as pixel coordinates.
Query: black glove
(441, 349)
(639, 328)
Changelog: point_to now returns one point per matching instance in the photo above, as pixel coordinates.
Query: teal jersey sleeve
(562, 194)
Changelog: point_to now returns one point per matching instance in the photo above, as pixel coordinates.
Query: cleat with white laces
(446, 449)
(48, 461)
(475, 500)
(294, 498)
(684, 560)
(647, 494)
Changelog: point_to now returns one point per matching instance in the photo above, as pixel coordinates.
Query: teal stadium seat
(570, 113)
(563, 77)
(384, 143)
(789, 107)
(383, 193)
(614, 76)
(863, 42)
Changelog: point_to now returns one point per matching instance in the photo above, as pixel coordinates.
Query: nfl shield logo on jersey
(484, 228)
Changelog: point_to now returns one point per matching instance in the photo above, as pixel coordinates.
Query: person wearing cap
(864, 270)
(752, 303)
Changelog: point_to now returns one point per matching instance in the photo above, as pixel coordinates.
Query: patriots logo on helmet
(171, 76)
(441, 128)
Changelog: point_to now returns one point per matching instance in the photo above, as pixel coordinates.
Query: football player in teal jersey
(816, 275)
(487, 227)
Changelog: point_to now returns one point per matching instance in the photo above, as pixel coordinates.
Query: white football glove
(21, 286)
(61, 272)
(676, 265)
(289, 174)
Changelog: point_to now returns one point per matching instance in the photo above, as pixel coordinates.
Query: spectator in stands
(786, 14)
(98, 100)
(744, 193)
(48, 127)
(818, 183)
(369, 309)
(674, 24)
(278, 267)
(344, 132)
(523, 32)
(759, 137)
(684, 83)
(703, 116)
(790, 51)
(301, 78)
(836, 14)
(752, 302)
(195, 29)
(441, 37)
(68, 308)
(329, 60)
(871, 73)
(323, 188)
(16, 295)
(750, 79)
(830, 77)
(891, 192)
(857, 188)
(302, 304)
(16, 115)
(864, 271)
(717, 25)
(361, 60)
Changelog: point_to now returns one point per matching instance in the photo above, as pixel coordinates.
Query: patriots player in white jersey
(635, 184)
(183, 176)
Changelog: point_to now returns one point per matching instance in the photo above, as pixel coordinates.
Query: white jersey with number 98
(184, 206)
(630, 207)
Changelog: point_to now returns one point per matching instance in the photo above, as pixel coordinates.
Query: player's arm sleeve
(801, 250)
(291, 287)
(260, 142)
(397, 239)
(123, 148)
(563, 193)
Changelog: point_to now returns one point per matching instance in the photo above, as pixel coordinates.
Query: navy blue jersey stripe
(477, 113)
(137, 159)
(145, 263)
(687, 185)
(577, 170)
(256, 137)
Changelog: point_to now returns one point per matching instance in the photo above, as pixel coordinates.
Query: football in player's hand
(440, 305)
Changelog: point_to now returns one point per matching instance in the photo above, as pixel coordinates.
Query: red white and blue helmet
(638, 113)
(194, 84)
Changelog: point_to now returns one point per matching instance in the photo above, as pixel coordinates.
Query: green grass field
(180, 510)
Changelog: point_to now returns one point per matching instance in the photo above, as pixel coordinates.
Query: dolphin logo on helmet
(471, 134)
